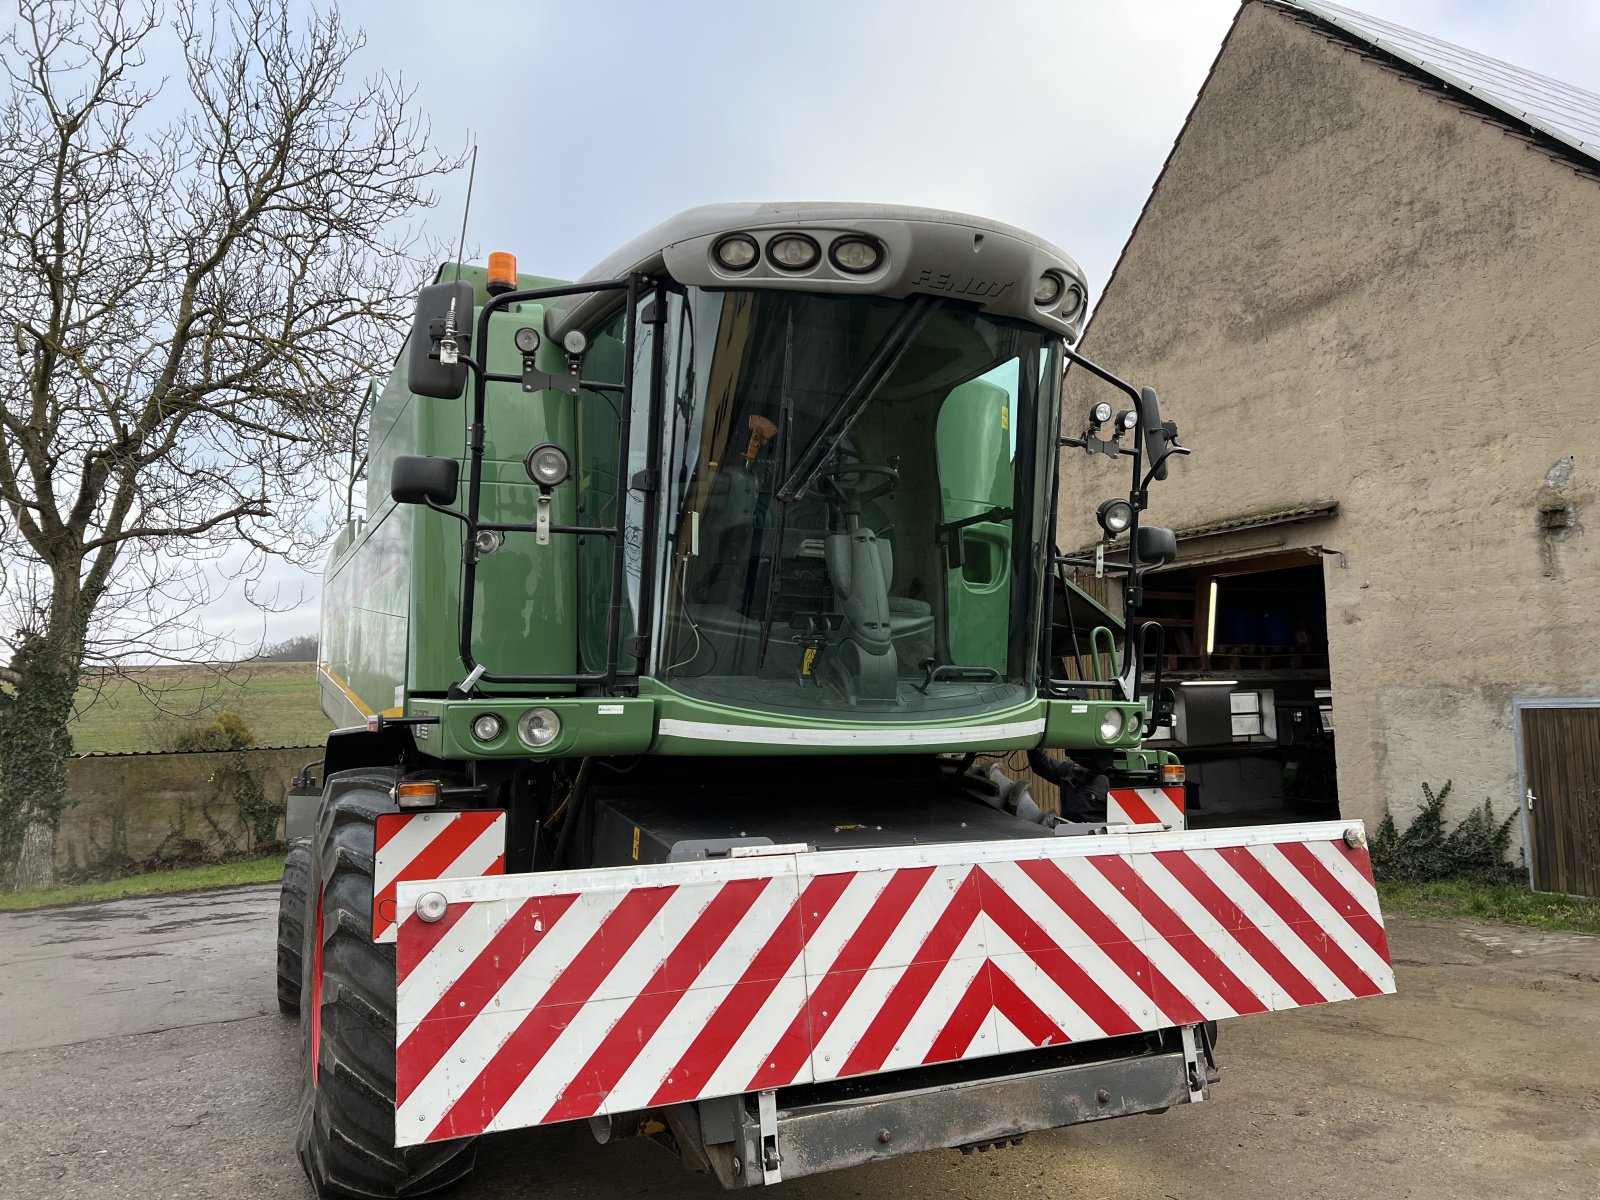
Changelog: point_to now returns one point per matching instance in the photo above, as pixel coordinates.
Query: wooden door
(1561, 761)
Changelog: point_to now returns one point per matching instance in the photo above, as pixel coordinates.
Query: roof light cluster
(798, 253)
(1054, 289)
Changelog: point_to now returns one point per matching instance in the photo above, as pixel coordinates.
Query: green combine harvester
(694, 602)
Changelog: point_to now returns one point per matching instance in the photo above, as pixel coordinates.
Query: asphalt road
(141, 1055)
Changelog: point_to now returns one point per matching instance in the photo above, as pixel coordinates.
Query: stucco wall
(129, 809)
(1345, 287)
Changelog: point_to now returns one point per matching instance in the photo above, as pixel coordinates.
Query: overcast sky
(595, 120)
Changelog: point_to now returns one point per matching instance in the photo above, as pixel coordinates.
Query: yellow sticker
(635, 843)
(1005, 417)
(809, 658)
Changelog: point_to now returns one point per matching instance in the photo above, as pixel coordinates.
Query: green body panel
(1069, 723)
(597, 726)
(589, 725)
(391, 599)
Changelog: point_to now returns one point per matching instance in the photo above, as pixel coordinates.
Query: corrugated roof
(1282, 514)
(1558, 110)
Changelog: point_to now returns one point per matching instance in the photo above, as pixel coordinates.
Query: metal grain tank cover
(927, 251)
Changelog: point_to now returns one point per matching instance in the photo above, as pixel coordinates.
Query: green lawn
(1495, 904)
(278, 701)
(185, 879)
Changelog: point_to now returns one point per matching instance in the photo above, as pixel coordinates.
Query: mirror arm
(1155, 674)
(1100, 372)
(1144, 485)
(446, 510)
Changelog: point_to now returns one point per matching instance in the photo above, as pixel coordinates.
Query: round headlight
(736, 252)
(1114, 516)
(855, 255)
(527, 339)
(1048, 288)
(539, 727)
(1101, 413)
(1073, 304)
(1111, 724)
(1127, 420)
(547, 465)
(575, 342)
(487, 727)
(793, 252)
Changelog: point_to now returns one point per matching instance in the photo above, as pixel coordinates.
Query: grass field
(186, 879)
(278, 701)
(1497, 905)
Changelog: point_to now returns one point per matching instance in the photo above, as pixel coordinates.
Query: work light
(793, 252)
(855, 255)
(1114, 515)
(736, 252)
(547, 465)
(1047, 289)
(1074, 301)
(527, 339)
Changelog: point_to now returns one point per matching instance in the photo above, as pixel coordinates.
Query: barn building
(1367, 286)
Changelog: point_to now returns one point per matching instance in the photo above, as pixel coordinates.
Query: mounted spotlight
(1114, 515)
(547, 465)
(1099, 415)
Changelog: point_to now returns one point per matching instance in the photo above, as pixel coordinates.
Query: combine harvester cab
(695, 607)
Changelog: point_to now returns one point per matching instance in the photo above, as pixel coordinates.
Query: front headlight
(539, 727)
(1112, 722)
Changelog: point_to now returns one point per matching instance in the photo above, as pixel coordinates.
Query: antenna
(461, 247)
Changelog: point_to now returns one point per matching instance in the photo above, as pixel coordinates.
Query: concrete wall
(1347, 287)
(157, 808)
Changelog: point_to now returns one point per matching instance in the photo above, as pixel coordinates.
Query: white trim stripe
(769, 735)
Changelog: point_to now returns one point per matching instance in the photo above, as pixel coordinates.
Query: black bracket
(439, 330)
(541, 381)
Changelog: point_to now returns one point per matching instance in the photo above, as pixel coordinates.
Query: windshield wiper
(873, 376)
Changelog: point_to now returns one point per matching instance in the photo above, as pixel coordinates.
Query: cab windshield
(853, 504)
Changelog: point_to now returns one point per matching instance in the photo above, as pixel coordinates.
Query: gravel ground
(141, 1055)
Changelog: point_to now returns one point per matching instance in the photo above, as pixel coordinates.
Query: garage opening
(1247, 660)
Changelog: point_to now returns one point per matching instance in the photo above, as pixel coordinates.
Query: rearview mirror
(1155, 433)
(441, 333)
(1155, 546)
(422, 478)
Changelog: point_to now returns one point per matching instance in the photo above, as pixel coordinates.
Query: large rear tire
(292, 924)
(347, 1021)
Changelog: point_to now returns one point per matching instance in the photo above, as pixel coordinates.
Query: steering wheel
(841, 471)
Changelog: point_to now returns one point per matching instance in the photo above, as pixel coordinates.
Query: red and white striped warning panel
(432, 845)
(534, 999)
(1145, 806)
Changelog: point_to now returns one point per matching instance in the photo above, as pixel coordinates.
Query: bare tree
(203, 254)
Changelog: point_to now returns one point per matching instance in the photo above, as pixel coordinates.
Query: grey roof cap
(927, 250)
(1558, 110)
